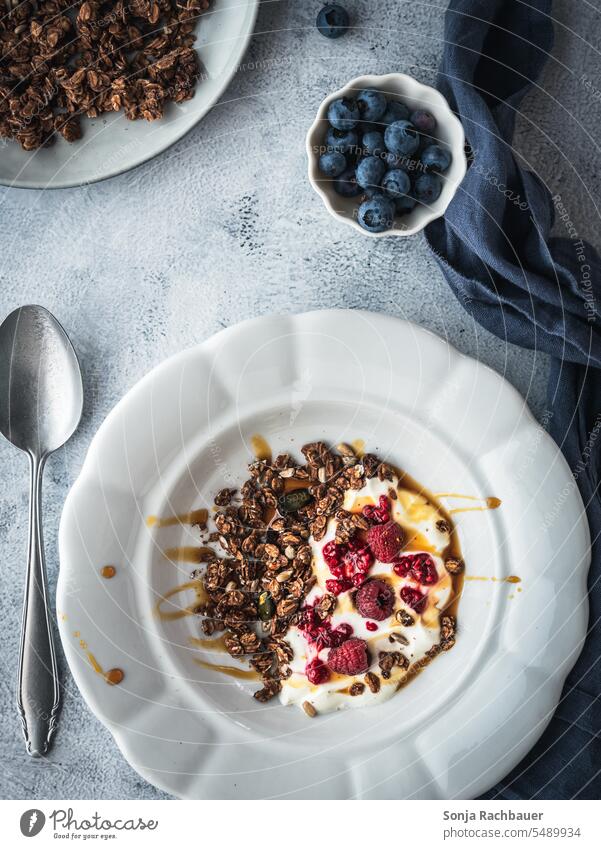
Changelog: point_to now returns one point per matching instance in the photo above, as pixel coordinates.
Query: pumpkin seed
(266, 606)
(290, 502)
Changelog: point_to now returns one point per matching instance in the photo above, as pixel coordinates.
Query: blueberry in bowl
(372, 104)
(401, 138)
(332, 163)
(376, 214)
(395, 111)
(342, 140)
(343, 114)
(396, 183)
(373, 144)
(386, 154)
(370, 172)
(427, 188)
(423, 121)
(435, 157)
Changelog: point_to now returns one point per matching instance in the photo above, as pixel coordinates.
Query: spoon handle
(38, 691)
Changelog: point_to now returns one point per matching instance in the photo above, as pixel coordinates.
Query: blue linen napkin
(529, 288)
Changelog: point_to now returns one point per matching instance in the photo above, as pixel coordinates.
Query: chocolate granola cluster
(267, 572)
(60, 60)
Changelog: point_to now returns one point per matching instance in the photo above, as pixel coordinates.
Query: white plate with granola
(206, 559)
(143, 71)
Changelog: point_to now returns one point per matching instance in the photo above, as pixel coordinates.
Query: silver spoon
(41, 398)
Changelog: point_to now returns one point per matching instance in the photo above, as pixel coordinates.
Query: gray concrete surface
(222, 227)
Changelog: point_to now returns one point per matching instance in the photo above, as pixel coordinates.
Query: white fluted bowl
(415, 95)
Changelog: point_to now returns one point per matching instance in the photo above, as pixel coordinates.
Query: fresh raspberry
(358, 558)
(386, 541)
(413, 598)
(421, 567)
(333, 553)
(375, 600)
(358, 578)
(328, 637)
(402, 566)
(316, 670)
(378, 515)
(341, 634)
(336, 587)
(350, 658)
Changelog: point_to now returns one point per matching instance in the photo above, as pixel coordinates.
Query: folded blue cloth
(529, 288)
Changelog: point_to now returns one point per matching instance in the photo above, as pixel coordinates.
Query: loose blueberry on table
(387, 156)
(333, 20)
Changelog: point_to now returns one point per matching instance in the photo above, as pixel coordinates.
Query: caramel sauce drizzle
(213, 643)
(194, 517)
(490, 503)
(260, 447)
(189, 554)
(231, 671)
(112, 676)
(181, 612)
(510, 579)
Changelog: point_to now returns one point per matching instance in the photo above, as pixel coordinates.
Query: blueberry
(427, 188)
(435, 158)
(332, 163)
(376, 214)
(343, 114)
(372, 104)
(395, 111)
(333, 20)
(342, 140)
(393, 161)
(396, 183)
(373, 144)
(401, 138)
(370, 171)
(424, 121)
(404, 204)
(346, 184)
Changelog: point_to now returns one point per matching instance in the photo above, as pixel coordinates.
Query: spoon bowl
(41, 393)
(41, 400)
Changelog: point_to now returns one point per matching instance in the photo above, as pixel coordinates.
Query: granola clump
(60, 60)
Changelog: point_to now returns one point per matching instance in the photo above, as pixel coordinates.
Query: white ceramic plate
(111, 144)
(183, 432)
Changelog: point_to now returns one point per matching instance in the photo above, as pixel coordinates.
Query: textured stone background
(222, 227)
